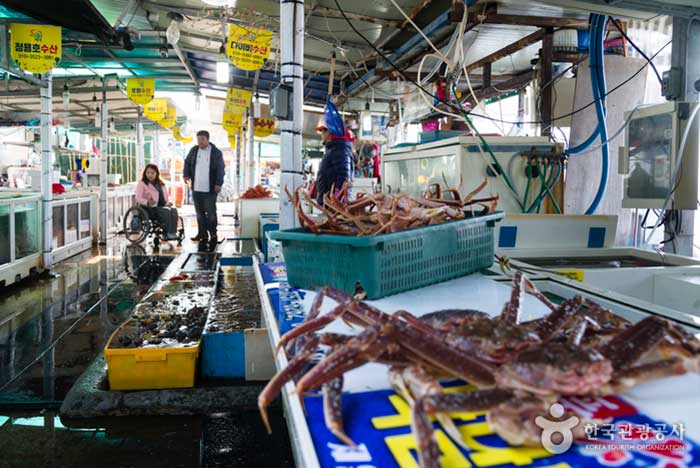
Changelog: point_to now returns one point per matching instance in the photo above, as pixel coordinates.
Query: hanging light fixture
(222, 66)
(367, 120)
(197, 101)
(172, 34)
(98, 116)
(66, 96)
(256, 106)
(112, 125)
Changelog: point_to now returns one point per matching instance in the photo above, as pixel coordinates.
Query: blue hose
(593, 34)
(599, 92)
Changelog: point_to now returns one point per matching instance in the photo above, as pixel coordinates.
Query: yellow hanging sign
(237, 100)
(231, 122)
(156, 109)
(264, 127)
(34, 47)
(232, 141)
(178, 135)
(141, 90)
(247, 47)
(170, 117)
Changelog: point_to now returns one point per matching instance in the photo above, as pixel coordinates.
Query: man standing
(204, 170)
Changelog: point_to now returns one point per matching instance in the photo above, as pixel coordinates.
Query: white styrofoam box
(680, 292)
(250, 209)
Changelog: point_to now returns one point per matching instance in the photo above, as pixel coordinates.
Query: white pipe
(104, 155)
(243, 172)
(140, 160)
(252, 181)
(292, 71)
(46, 170)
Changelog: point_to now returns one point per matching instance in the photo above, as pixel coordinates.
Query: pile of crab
(377, 213)
(519, 369)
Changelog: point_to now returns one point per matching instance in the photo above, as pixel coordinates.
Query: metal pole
(251, 149)
(155, 147)
(140, 159)
(104, 155)
(292, 72)
(46, 170)
(684, 56)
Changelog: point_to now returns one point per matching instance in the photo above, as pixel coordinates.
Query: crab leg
(548, 327)
(511, 311)
(414, 382)
(636, 341)
(414, 321)
(532, 289)
(294, 367)
(660, 369)
(333, 409)
(428, 450)
(313, 313)
(367, 346)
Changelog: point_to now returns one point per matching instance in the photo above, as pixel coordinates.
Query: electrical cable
(681, 151)
(640, 51)
(474, 114)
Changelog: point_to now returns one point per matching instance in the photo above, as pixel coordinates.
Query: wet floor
(52, 328)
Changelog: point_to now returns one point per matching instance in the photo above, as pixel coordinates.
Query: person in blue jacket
(338, 163)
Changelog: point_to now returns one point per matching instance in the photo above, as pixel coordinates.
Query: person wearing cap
(337, 165)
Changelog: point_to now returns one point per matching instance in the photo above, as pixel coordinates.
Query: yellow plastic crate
(150, 368)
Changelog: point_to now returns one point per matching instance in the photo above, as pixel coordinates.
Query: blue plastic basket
(389, 263)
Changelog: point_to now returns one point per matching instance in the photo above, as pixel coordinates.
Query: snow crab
(379, 213)
(519, 368)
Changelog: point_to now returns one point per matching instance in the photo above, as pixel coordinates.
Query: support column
(104, 156)
(140, 149)
(252, 181)
(46, 170)
(546, 80)
(292, 72)
(155, 147)
(684, 56)
(237, 163)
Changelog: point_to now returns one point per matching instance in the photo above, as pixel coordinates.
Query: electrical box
(461, 163)
(652, 151)
(281, 102)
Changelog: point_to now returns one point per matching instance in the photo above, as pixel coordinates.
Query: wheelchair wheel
(137, 225)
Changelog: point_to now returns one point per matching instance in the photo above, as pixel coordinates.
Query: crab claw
(294, 367)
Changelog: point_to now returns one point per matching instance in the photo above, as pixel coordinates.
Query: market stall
(20, 236)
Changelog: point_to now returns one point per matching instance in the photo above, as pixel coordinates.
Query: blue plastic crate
(223, 354)
(238, 251)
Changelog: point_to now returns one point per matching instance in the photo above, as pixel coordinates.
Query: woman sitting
(151, 194)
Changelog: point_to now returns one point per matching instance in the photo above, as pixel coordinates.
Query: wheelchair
(139, 225)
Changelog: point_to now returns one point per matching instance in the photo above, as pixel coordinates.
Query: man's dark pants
(205, 207)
